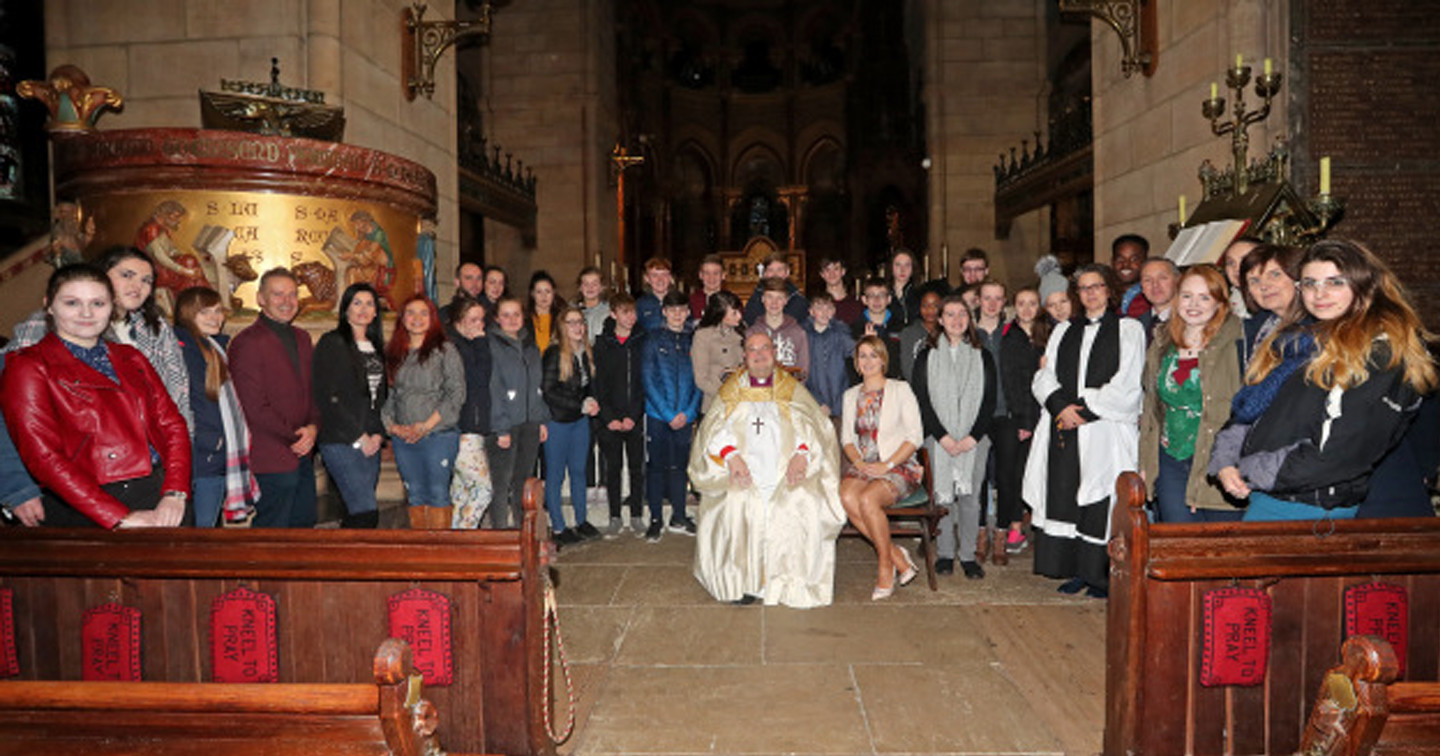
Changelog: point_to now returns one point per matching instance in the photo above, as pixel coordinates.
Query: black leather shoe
(567, 537)
(973, 570)
(944, 566)
(587, 531)
(746, 600)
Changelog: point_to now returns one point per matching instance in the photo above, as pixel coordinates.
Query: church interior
(551, 135)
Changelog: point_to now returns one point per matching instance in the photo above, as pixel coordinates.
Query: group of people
(1271, 388)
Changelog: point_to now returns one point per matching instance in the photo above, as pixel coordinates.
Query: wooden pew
(1154, 702)
(331, 589)
(1360, 709)
(158, 718)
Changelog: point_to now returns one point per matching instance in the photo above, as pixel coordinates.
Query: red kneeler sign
(422, 619)
(242, 638)
(1236, 646)
(9, 660)
(1381, 609)
(110, 643)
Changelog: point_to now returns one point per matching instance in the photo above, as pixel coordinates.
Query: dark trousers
(1010, 456)
(1170, 504)
(136, 493)
(617, 447)
(287, 500)
(665, 476)
(508, 470)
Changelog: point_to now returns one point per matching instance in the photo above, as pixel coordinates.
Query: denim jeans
(354, 474)
(208, 494)
(425, 467)
(1266, 508)
(287, 500)
(665, 476)
(567, 447)
(1170, 504)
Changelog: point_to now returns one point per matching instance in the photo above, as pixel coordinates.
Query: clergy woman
(767, 468)
(1089, 389)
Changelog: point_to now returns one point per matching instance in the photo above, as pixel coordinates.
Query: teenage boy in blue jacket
(671, 403)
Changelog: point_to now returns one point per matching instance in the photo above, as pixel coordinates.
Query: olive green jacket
(1220, 378)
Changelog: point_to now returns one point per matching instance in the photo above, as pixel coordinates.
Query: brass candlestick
(1237, 78)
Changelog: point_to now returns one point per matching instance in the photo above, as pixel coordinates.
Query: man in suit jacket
(270, 365)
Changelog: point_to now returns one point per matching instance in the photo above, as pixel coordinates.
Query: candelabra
(1237, 78)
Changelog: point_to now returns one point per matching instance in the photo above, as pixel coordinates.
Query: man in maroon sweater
(270, 365)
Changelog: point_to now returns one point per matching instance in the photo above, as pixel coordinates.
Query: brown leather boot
(419, 518)
(440, 518)
(998, 555)
(982, 546)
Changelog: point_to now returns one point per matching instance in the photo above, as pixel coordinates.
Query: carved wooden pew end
(1361, 710)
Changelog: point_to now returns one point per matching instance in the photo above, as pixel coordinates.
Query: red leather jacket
(77, 430)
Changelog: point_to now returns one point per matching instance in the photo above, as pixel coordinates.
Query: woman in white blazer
(879, 433)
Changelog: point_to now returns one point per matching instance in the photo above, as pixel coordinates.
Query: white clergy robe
(768, 539)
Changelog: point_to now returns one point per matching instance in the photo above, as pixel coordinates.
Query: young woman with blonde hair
(1338, 409)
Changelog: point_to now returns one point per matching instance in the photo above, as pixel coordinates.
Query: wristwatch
(182, 494)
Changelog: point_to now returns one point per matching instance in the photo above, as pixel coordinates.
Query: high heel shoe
(911, 570)
(880, 593)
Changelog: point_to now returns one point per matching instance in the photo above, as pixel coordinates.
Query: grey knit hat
(1051, 280)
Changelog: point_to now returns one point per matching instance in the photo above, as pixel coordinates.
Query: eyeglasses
(1333, 283)
(574, 322)
(1089, 288)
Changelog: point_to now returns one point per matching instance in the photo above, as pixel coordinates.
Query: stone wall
(547, 91)
(160, 53)
(1150, 136)
(984, 92)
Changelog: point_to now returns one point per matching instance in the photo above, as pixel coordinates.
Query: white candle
(1268, 67)
(1239, 60)
(1182, 209)
(1214, 90)
(1324, 175)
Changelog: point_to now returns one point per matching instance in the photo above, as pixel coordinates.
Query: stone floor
(999, 666)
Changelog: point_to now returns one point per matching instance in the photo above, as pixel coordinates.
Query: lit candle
(1214, 90)
(1324, 175)
(927, 266)
(597, 259)
(1239, 60)
(945, 261)
(1268, 67)
(1182, 209)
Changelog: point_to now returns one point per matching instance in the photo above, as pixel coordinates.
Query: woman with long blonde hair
(1312, 452)
(568, 370)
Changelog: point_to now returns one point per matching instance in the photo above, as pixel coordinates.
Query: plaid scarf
(241, 490)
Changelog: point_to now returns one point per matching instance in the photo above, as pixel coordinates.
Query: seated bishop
(767, 467)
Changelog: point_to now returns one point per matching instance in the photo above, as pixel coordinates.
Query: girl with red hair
(427, 389)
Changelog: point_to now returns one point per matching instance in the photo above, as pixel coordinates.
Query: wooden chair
(916, 516)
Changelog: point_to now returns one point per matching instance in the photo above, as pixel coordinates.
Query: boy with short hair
(777, 267)
(878, 321)
(830, 348)
(672, 401)
(620, 424)
(792, 348)
(591, 285)
(658, 279)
